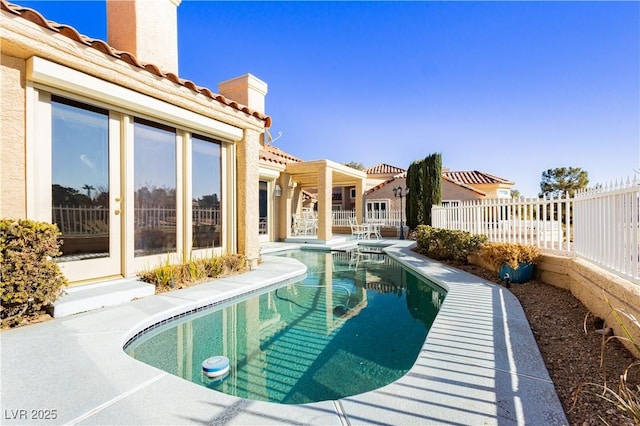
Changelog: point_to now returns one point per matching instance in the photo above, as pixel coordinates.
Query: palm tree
(88, 188)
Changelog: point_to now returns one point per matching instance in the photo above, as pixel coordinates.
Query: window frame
(46, 79)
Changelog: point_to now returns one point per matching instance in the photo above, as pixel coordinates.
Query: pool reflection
(344, 330)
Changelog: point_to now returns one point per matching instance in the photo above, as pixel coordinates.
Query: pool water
(354, 324)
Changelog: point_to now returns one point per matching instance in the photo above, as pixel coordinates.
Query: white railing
(607, 227)
(342, 217)
(92, 221)
(536, 221)
(600, 225)
(384, 218)
(81, 221)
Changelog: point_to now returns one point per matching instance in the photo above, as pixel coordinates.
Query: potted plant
(514, 262)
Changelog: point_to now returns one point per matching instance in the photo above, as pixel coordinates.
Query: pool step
(98, 295)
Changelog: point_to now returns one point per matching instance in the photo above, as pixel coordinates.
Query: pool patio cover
(479, 365)
(322, 175)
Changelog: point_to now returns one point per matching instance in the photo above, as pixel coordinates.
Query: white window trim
(49, 73)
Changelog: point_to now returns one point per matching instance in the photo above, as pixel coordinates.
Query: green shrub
(446, 244)
(30, 278)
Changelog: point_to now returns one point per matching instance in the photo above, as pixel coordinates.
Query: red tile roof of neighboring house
(383, 169)
(273, 154)
(404, 175)
(474, 177)
(73, 34)
(465, 186)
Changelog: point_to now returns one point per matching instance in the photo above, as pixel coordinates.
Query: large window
(377, 210)
(128, 184)
(206, 203)
(154, 188)
(80, 178)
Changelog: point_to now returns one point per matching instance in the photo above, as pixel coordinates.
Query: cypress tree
(411, 197)
(433, 184)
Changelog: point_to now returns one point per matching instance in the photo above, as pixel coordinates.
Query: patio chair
(304, 226)
(374, 229)
(360, 232)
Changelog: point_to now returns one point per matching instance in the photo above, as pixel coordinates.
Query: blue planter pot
(522, 274)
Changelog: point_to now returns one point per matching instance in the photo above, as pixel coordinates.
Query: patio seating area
(305, 223)
(364, 231)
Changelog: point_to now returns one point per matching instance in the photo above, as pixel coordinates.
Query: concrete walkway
(480, 365)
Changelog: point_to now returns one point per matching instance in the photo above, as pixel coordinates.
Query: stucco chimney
(146, 28)
(247, 90)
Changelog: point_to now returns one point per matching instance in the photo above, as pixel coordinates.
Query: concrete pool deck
(480, 364)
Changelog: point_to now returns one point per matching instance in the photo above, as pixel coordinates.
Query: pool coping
(480, 364)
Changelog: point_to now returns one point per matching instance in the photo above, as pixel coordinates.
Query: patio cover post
(359, 200)
(285, 207)
(325, 185)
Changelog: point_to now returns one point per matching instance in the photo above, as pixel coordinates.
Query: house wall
(492, 189)
(12, 136)
(23, 40)
(373, 180)
(386, 193)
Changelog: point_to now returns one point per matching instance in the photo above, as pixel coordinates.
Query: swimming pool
(354, 324)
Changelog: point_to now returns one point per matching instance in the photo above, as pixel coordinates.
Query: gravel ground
(572, 356)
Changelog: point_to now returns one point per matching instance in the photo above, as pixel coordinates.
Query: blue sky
(509, 88)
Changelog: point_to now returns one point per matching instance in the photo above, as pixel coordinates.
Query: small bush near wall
(513, 254)
(30, 278)
(172, 277)
(446, 244)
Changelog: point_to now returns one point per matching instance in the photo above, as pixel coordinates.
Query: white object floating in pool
(216, 366)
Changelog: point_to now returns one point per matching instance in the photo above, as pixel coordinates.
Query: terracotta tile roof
(73, 34)
(273, 154)
(404, 176)
(474, 177)
(383, 169)
(386, 182)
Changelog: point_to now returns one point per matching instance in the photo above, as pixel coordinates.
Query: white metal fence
(537, 221)
(607, 227)
(81, 221)
(383, 217)
(600, 225)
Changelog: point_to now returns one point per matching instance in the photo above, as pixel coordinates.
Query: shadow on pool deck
(480, 365)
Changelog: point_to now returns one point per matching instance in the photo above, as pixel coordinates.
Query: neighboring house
(134, 164)
(381, 173)
(483, 183)
(344, 198)
(380, 199)
(456, 187)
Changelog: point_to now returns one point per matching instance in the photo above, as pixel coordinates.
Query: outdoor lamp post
(397, 193)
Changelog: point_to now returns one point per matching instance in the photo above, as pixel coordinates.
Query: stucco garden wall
(12, 137)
